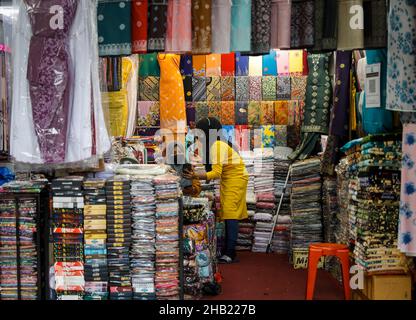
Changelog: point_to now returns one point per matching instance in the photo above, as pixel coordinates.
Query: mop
(276, 216)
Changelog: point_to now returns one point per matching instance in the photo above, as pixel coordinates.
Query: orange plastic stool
(316, 251)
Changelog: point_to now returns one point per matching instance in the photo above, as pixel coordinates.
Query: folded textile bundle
(305, 202)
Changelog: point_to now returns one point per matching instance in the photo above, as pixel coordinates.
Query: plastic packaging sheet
(57, 115)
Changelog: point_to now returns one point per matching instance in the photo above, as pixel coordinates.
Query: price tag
(372, 86)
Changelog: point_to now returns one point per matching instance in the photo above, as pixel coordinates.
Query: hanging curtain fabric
(157, 24)
(241, 26)
(221, 26)
(325, 25)
(179, 26)
(280, 24)
(260, 26)
(401, 56)
(114, 27)
(317, 105)
(201, 26)
(139, 9)
(302, 24)
(375, 24)
(350, 24)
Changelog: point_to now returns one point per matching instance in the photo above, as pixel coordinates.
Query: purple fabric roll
(48, 75)
(280, 24)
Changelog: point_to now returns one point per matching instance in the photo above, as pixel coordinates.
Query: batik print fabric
(283, 91)
(201, 26)
(255, 88)
(267, 113)
(270, 64)
(228, 112)
(186, 65)
(401, 74)
(139, 10)
(241, 113)
(268, 136)
(260, 26)
(281, 113)
(149, 89)
(214, 109)
(148, 114)
(199, 66)
(157, 25)
(191, 115)
(114, 28)
(227, 88)
(201, 111)
(281, 135)
(298, 87)
(199, 89)
(242, 88)
(269, 88)
(242, 137)
(148, 65)
(407, 224)
(282, 57)
(241, 64)
(302, 24)
(179, 27)
(254, 111)
(213, 65)
(187, 85)
(214, 89)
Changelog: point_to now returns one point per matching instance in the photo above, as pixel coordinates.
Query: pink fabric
(179, 26)
(242, 134)
(280, 24)
(282, 57)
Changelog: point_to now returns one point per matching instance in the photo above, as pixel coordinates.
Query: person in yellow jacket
(225, 163)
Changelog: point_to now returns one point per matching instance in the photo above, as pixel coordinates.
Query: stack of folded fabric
(248, 158)
(263, 171)
(375, 163)
(305, 202)
(95, 236)
(341, 230)
(142, 251)
(68, 237)
(329, 208)
(192, 285)
(167, 237)
(265, 211)
(119, 237)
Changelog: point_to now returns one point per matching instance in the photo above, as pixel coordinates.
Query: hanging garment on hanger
(280, 24)
(260, 26)
(56, 111)
(241, 26)
(157, 25)
(139, 10)
(401, 95)
(201, 26)
(302, 24)
(221, 26)
(179, 26)
(350, 24)
(114, 27)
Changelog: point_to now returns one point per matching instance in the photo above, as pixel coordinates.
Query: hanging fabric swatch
(241, 25)
(179, 26)
(242, 137)
(114, 27)
(242, 88)
(199, 65)
(281, 135)
(298, 87)
(269, 88)
(199, 89)
(375, 24)
(268, 136)
(270, 64)
(228, 112)
(214, 109)
(376, 119)
(187, 85)
(148, 65)
(228, 64)
(221, 26)
(401, 57)
(201, 26)
(350, 24)
(255, 66)
(267, 113)
(202, 110)
(190, 115)
(319, 17)
(296, 62)
(241, 113)
(254, 113)
(172, 96)
(283, 91)
(157, 25)
(214, 89)
(255, 88)
(302, 24)
(149, 88)
(407, 226)
(132, 94)
(305, 63)
(227, 88)
(148, 114)
(139, 9)
(293, 112)
(241, 65)
(282, 57)
(213, 62)
(229, 133)
(110, 74)
(186, 65)
(281, 113)
(326, 25)
(280, 24)
(260, 26)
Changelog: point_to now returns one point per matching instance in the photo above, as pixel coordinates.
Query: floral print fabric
(228, 112)
(254, 113)
(260, 26)
(267, 113)
(269, 88)
(242, 88)
(148, 114)
(283, 88)
(255, 89)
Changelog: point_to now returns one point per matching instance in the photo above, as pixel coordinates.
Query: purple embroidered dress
(48, 73)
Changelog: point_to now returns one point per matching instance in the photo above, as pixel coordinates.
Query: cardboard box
(388, 287)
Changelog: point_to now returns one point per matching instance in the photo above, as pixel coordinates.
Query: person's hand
(188, 174)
